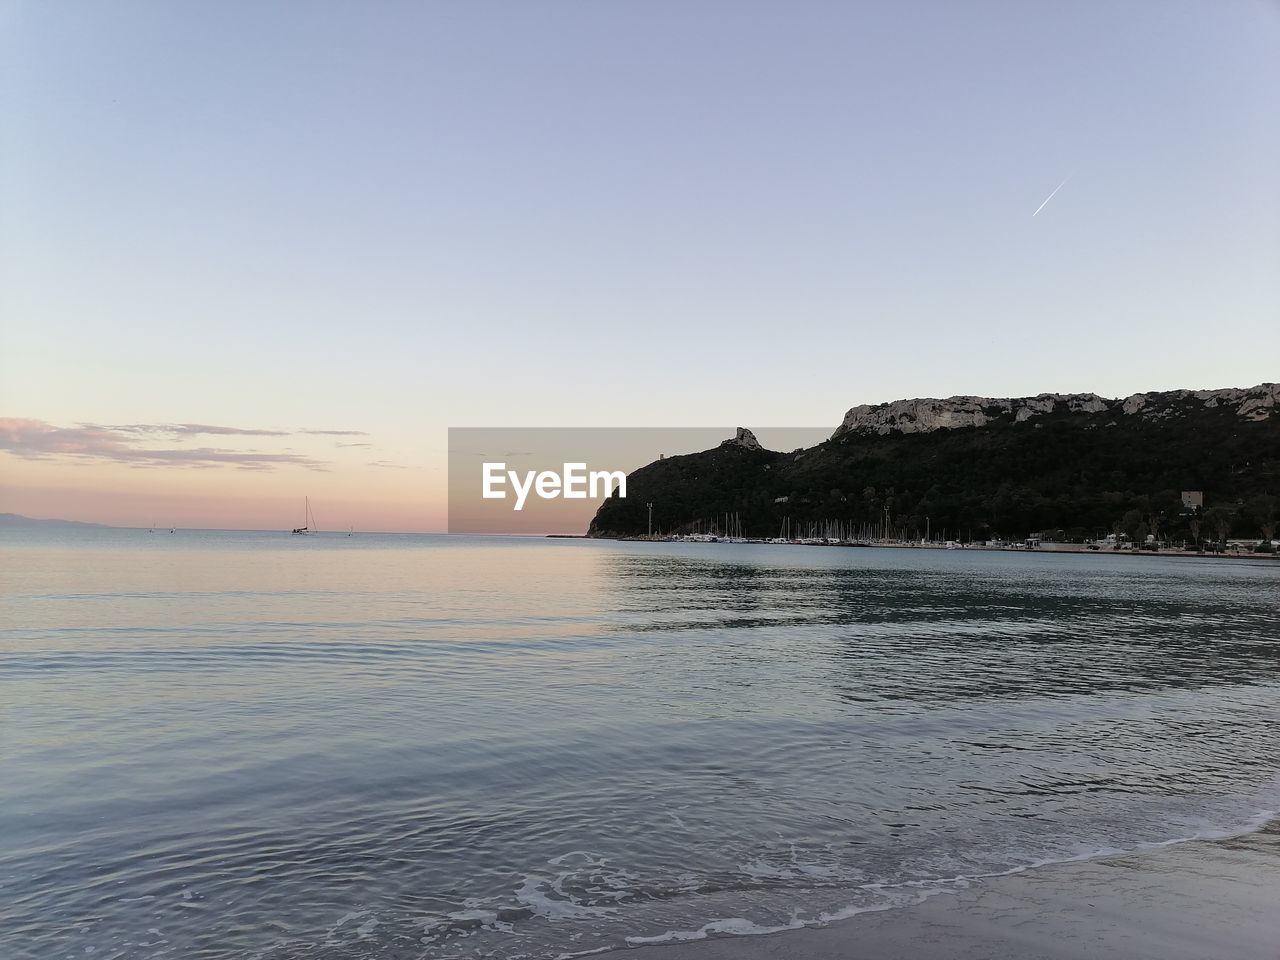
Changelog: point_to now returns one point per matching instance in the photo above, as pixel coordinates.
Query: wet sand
(1204, 900)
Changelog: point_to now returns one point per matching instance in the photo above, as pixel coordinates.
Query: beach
(1200, 900)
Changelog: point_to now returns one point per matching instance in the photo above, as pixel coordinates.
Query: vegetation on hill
(1069, 475)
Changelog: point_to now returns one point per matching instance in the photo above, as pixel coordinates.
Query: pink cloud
(38, 440)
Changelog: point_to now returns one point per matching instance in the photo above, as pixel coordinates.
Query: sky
(254, 252)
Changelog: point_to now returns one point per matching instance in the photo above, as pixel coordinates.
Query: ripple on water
(540, 749)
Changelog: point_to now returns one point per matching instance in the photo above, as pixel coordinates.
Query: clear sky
(391, 218)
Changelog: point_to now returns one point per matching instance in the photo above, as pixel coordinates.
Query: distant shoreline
(1072, 548)
(14, 521)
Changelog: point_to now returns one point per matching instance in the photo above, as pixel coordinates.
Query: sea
(255, 745)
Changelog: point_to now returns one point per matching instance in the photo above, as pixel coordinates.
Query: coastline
(1071, 548)
(1208, 899)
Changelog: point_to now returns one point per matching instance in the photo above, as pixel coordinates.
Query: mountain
(8, 520)
(1075, 465)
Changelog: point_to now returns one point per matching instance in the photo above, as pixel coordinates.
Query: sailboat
(308, 520)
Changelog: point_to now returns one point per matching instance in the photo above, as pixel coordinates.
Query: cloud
(192, 430)
(197, 428)
(211, 429)
(387, 465)
(353, 445)
(38, 440)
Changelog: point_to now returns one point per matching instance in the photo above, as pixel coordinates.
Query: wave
(916, 891)
(619, 901)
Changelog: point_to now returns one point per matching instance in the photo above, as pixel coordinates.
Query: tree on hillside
(1133, 526)
(1218, 521)
(1263, 510)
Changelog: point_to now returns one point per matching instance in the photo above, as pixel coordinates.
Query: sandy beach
(1202, 900)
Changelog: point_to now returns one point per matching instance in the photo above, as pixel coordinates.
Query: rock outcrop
(927, 415)
(745, 439)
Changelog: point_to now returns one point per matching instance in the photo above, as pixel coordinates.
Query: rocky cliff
(927, 415)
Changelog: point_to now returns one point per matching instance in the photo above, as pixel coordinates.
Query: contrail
(1055, 190)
